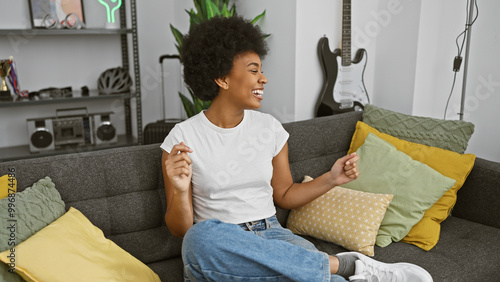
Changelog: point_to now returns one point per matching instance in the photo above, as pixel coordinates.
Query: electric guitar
(343, 89)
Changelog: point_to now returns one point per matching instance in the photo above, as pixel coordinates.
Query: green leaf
(258, 17)
(233, 10)
(218, 4)
(192, 94)
(179, 52)
(195, 105)
(206, 104)
(212, 9)
(177, 34)
(203, 10)
(198, 105)
(193, 18)
(190, 12)
(188, 105)
(197, 5)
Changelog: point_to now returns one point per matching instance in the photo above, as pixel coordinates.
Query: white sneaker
(374, 271)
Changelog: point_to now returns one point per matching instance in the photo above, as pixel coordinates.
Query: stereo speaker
(41, 135)
(105, 131)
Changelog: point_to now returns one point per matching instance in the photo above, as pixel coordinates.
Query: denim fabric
(217, 251)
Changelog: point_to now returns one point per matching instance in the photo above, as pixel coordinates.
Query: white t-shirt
(232, 167)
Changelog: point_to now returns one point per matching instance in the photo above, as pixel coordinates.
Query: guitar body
(349, 89)
(343, 88)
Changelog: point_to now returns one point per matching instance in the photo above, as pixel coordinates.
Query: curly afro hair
(208, 51)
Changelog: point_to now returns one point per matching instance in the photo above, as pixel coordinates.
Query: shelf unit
(88, 31)
(21, 152)
(77, 97)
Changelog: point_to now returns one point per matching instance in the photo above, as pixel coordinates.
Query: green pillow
(452, 135)
(34, 208)
(7, 276)
(415, 186)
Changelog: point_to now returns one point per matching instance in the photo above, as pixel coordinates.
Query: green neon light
(111, 11)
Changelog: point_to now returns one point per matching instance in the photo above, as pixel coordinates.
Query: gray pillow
(452, 135)
(34, 208)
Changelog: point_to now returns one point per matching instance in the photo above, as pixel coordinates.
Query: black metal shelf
(77, 97)
(23, 151)
(129, 39)
(83, 31)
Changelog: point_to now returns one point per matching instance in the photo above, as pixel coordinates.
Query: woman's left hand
(345, 169)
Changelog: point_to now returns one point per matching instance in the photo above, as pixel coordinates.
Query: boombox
(50, 133)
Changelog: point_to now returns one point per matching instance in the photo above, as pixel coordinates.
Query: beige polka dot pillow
(342, 216)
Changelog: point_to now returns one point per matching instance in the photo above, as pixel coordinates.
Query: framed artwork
(54, 13)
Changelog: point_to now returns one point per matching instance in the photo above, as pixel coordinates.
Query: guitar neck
(346, 32)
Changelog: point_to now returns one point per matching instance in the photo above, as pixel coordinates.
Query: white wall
(444, 20)
(318, 18)
(410, 46)
(312, 25)
(280, 64)
(395, 58)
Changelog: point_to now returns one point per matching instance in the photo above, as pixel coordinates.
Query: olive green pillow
(415, 186)
(35, 208)
(32, 209)
(450, 135)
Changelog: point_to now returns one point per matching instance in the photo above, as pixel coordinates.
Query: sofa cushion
(450, 135)
(343, 216)
(72, 246)
(33, 209)
(8, 185)
(425, 234)
(415, 186)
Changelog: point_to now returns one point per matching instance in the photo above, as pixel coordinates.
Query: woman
(226, 167)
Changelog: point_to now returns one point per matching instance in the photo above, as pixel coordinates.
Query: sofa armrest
(479, 198)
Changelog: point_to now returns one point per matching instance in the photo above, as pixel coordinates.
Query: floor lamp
(466, 63)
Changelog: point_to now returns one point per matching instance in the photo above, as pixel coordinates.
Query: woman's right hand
(178, 167)
(177, 171)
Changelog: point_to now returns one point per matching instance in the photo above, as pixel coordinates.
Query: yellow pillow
(8, 185)
(72, 249)
(425, 234)
(342, 216)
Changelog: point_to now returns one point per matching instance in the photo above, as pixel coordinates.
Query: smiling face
(244, 85)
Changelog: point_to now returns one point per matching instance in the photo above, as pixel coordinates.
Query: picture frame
(39, 9)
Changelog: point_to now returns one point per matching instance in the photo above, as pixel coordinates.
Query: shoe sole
(362, 257)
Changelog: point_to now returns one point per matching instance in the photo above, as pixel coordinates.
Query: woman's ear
(222, 82)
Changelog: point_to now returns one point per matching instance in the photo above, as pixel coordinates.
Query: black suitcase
(157, 131)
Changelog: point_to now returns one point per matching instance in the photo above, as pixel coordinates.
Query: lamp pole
(466, 63)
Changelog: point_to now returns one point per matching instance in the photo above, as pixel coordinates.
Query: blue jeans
(216, 251)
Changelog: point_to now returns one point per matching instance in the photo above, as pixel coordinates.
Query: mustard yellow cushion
(342, 216)
(8, 185)
(425, 234)
(72, 249)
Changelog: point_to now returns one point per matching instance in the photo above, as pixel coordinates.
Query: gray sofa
(121, 191)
